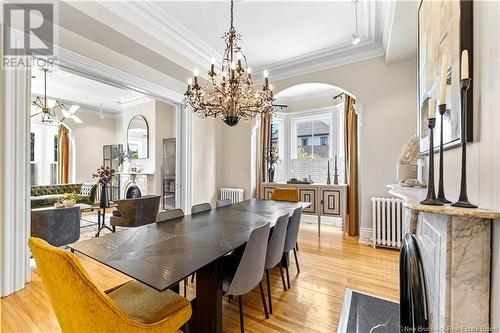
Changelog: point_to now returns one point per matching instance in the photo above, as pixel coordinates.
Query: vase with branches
(272, 158)
(121, 155)
(105, 176)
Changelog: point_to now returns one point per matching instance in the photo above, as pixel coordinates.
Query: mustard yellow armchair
(285, 194)
(81, 306)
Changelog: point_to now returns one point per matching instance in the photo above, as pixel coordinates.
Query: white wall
(89, 138)
(483, 155)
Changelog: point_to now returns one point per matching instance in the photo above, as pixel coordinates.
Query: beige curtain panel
(63, 155)
(264, 143)
(351, 174)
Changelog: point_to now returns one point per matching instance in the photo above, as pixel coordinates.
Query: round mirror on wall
(138, 138)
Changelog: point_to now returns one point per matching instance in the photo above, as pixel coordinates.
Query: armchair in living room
(136, 212)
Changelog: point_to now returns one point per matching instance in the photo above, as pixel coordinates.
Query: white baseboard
(366, 235)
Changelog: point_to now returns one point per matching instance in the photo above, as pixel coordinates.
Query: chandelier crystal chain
(230, 95)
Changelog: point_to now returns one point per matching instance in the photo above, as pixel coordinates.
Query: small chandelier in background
(230, 96)
(47, 107)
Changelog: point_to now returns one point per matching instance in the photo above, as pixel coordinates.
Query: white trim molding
(15, 217)
(153, 20)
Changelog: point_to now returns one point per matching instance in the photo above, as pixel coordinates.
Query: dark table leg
(207, 315)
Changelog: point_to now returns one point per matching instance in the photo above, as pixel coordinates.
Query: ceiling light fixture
(355, 35)
(48, 107)
(230, 97)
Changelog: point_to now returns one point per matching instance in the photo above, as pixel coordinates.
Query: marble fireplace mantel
(455, 246)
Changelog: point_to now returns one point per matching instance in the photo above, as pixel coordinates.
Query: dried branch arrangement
(410, 152)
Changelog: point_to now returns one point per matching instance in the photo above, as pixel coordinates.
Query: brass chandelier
(230, 96)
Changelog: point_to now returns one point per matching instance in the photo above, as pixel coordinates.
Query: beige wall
(89, 138)
(484, 154)
(237, 154)
(207, 160)
(165, 124)
(388, 97)
(161, 124)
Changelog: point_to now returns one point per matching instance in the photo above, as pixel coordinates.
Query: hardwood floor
(312, 304)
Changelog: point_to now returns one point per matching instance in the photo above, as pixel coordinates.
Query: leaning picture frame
(444, 28)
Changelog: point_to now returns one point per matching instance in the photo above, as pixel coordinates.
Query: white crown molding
(326, 60)
(153, 20)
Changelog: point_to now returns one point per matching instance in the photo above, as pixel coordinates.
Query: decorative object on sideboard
(442, 110)
(407, 161)
(335, 172)
(105, 175)
(444, 27)
(272, 158)
(328, 175)
(463, 199)
(431, 192)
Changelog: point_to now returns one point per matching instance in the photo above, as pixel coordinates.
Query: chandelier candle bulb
(464, 73)
(444, 77)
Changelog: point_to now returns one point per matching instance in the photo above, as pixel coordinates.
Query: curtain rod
(339, 95)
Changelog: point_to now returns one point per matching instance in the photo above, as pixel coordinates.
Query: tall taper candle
(442, 83)
(464, 73)
(432, 108)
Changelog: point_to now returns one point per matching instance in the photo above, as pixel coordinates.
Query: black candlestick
(328, 177)
(441, 196)
(431, 192)
(463, 200)
(335, 173)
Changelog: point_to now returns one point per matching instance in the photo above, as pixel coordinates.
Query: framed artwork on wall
(444, 28)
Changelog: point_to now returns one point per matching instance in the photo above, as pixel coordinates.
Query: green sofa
(47, 195)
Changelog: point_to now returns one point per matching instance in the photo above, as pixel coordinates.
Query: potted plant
(272, 158)
(121, 156)
(105, 175)
(68, 199)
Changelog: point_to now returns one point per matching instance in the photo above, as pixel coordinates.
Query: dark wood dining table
(163, 254)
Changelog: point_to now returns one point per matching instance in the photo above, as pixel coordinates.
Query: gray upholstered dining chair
(242, 275)
(275, 248)
(170, 215)
(136, 212)
(223, 203)
(291, 239)
(200, 208)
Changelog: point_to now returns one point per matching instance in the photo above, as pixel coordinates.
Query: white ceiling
(272, 31)
(74, 89)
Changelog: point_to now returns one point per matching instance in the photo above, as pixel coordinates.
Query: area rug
(88, 220)
(89, 232)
